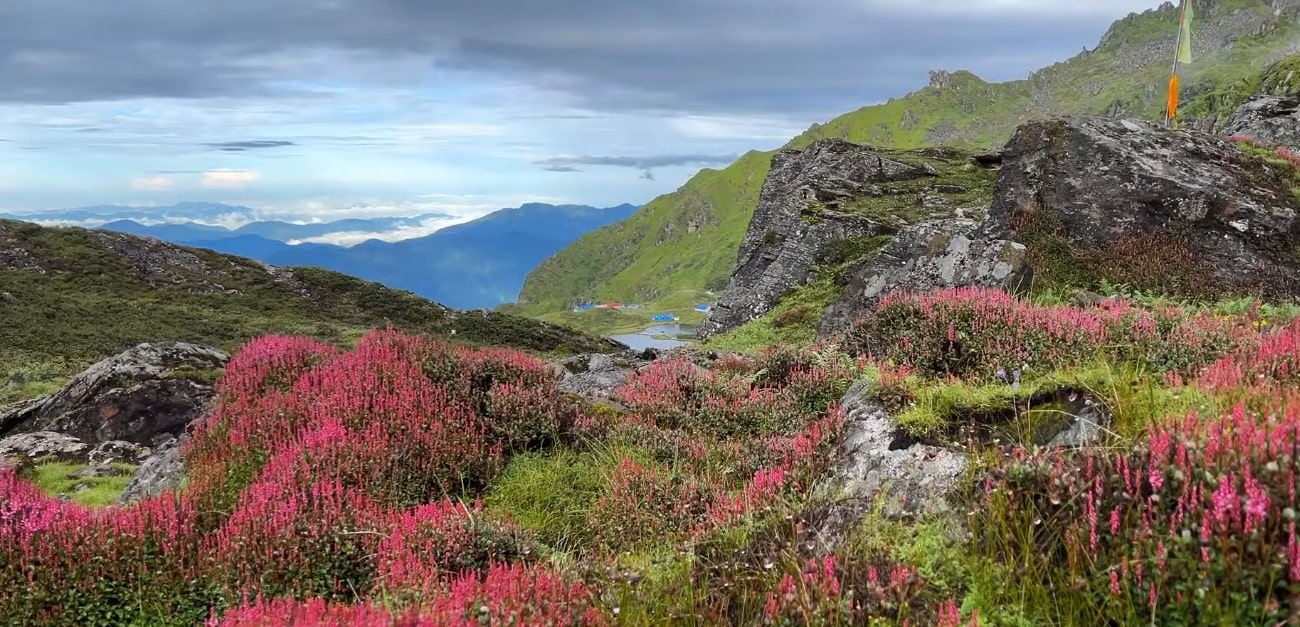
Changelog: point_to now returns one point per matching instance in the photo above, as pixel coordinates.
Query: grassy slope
(655, 252)
(91, 302)
(652, 255)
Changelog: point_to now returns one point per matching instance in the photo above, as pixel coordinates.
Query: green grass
(553, 495)
(686, 240)
(55, 479)
(616, 321)
(33, 378)
(90, 300)
(657, 252)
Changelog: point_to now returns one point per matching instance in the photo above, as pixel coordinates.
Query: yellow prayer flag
(1185, 34)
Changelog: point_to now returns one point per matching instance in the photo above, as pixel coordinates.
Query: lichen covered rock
(1271, 120)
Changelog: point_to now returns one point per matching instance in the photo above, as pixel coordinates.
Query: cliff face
(835, 196)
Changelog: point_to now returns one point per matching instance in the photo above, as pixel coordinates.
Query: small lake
(662, 336)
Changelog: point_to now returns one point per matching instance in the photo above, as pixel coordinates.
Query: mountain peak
(943, 79)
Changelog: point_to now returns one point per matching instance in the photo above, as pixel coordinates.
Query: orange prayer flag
(1172, 105)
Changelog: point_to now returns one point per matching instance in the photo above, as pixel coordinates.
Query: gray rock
(117, 451)
(924, 257)
(791, 227)
(1271, 120)
(132, 396)
(596, 376)
(162, 471)
(27, 447)
(97, 471)
(1087, 422)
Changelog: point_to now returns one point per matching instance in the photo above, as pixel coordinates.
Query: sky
(350, 108)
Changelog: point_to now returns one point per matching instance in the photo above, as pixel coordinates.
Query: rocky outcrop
(1271, 120)
(784, 238)
(147, 391)
(832, 194)
(880, 465)
(1179, 212)
(928, 256)
(596, 376)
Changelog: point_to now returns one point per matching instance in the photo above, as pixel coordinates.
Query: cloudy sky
(347, 107)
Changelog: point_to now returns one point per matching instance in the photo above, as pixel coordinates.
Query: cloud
(352, 238)
(152, 183)
(228, 179)
(249, 145)
(569, 164)
(682, 56)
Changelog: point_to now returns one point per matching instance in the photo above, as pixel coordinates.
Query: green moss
(55, 479)
(793, 322)
(941, 410)
(202, 375)
(845, 252)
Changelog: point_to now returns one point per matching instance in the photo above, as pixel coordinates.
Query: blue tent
(663, 317)
(702, 308)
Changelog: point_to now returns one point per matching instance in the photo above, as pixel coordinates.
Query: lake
(654, 337)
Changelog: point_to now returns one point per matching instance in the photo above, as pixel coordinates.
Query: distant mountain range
(189, 217)
(476, 264)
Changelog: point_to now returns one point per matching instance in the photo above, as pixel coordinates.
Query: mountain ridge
(649, 258)
(476, 264)
(70, 295)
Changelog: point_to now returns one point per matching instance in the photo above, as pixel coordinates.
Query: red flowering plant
(973, 333)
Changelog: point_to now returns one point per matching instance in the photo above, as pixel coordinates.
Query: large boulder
(834, 199)
(597, 375)
(1179, 212)
(925, 257)
(1271, 120)
(149, 391)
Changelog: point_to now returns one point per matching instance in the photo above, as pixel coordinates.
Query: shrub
(975, 332)
(647, 503)
(1196, 525)
(64, 564)
(514, 595)
(429, 543)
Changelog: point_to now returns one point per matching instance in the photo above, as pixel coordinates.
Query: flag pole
(1173, 72)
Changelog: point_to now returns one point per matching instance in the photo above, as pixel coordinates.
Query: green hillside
(70, 296)
(687, 240)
